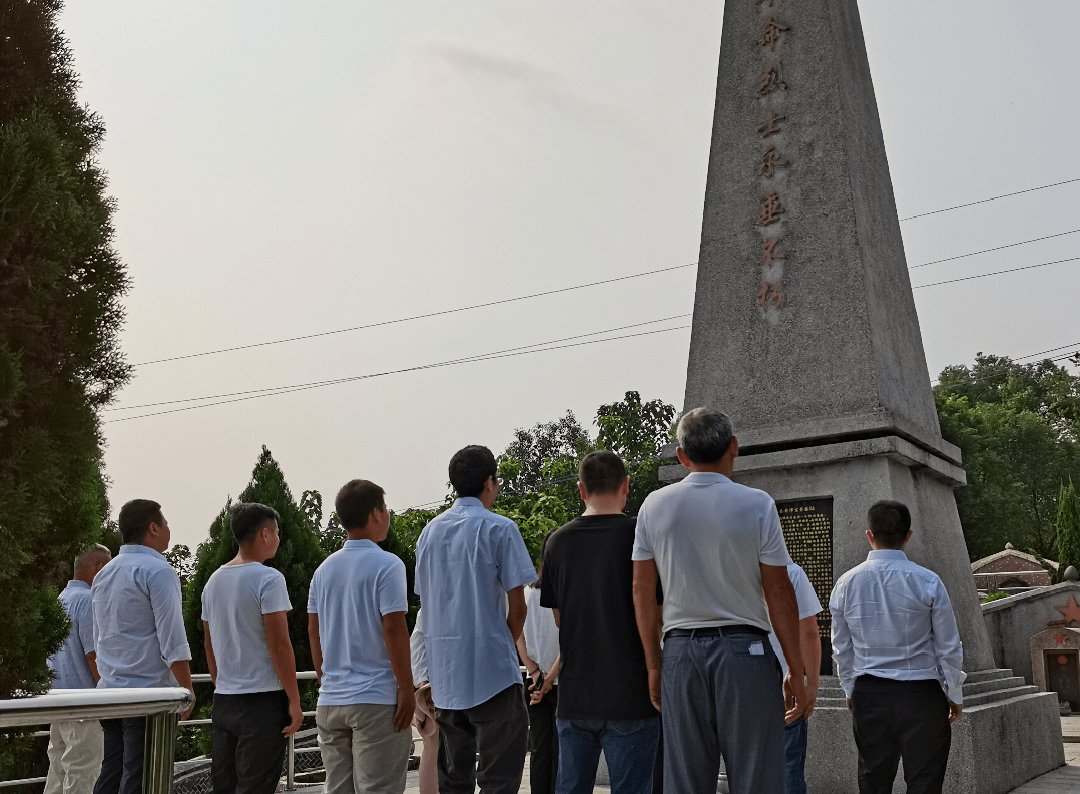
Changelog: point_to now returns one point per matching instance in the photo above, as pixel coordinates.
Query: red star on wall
(1059, 639)
(1071, 612)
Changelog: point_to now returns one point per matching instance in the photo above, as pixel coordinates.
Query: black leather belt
(716, 631)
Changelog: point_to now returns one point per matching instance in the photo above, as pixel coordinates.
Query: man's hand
(538, 694)
(296, 716)
(406, 705)
(654, 687)
(811, 701)
(794, 697)
(955, 710)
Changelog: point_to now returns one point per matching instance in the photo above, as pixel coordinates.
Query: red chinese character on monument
(769, 126)
(770, 209)
(769, 160)
(771, 80)
(771, 33)
(767, 255)
(770, 293)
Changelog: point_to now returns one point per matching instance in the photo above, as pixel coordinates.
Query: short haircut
(889, 522)
(91, 556)
(704, 435)
(136, 517)
(470, 468)
(355, 502)
(601, 472)
(247, 518)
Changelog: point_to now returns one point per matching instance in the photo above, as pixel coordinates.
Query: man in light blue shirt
(75, 746)
(360, 646)
(898, 655)
(471, 568)
(139, 635)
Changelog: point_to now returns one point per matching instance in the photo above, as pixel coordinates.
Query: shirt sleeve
(313, 594)
(392, 593)
(516, 569)
(274, 594)
(947, 646)
(84, 624)
(805, 595)
(165, 601)
(418, 651)
(642, 548)
(773, 549)
(843, 648)
(549, 572)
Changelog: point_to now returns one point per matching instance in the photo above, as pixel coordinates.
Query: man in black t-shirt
(587, 580)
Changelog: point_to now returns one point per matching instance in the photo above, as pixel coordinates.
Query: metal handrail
(158, 705)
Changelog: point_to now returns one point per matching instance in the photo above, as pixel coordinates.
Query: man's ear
(734, 447)
(581, 490)
(685, 461)
(624, 489)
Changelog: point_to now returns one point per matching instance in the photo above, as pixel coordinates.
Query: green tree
(1067, 524)
(297, 558)
(1016, 425)
(637, 432)
(60, 313)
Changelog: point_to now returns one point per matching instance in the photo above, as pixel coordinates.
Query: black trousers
(497, 730)
(249, 748)
(122, 763)
(900, 719)
(543, 744)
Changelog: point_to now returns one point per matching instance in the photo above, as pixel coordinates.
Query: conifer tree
(60, 314)
(1067, 524)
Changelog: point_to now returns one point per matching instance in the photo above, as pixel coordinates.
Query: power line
(996, 273)
(471, 359)
(414, 317)
(988, 250)
(992, 198)
(339, 380)
(1075, 345)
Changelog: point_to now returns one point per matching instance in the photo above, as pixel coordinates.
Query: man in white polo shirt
(245, 607)
(720, 555)
(360, 647)
(471, 568)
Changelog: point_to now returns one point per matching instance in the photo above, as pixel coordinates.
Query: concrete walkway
(1065, 780)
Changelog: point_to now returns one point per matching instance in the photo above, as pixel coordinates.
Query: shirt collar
(886, 554)
(361, 543)
(78, 584)
(703, 477)
(469, 501)
(138, 548)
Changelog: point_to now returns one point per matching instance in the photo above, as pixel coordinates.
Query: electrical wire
(988, 250)
(996, 273)
(510, 353)
(992, 198)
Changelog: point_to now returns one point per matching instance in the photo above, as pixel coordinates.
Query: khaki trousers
(75, 752)
(361, 751)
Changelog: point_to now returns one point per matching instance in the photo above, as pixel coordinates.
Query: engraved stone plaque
(808, 532)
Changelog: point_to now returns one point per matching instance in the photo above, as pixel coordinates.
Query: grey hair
(91, 555)
(704, 435)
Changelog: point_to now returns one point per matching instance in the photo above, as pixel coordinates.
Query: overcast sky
(286, 168)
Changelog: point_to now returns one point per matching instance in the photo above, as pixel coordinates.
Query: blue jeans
(722, 694)
(795, 757)
(629, 748)
(122, 764)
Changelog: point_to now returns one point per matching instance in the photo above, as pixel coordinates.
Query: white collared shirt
(138, 622)
(893, 619)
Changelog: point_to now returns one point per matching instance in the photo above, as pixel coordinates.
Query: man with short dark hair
(75, 746)
(587, 580)
(360, 647)
(898, 656)
(245, 607)
(139, 635)
(471, 568)
(719, 553)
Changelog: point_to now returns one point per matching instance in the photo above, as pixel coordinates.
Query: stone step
(991, 685)
(999, 695)
(987, 675)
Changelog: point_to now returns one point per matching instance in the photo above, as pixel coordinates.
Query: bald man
(75, 746)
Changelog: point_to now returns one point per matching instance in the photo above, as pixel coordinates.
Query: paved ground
(1065, 780)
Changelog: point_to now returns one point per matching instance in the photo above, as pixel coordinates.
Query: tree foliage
(60, 314)
(1067, 524)
(1017, 426)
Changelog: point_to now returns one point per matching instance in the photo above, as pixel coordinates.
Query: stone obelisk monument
(805, 333)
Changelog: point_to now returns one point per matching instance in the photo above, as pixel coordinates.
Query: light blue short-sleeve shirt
(808, 602)
(69, 663)
(351, 592)
(138, 622)
(709, 537)
(467, 559)
(233, 604)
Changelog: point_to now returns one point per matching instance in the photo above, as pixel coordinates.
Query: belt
(716, 631)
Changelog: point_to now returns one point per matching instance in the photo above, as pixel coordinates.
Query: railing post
(158, 755)
(290, 774)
